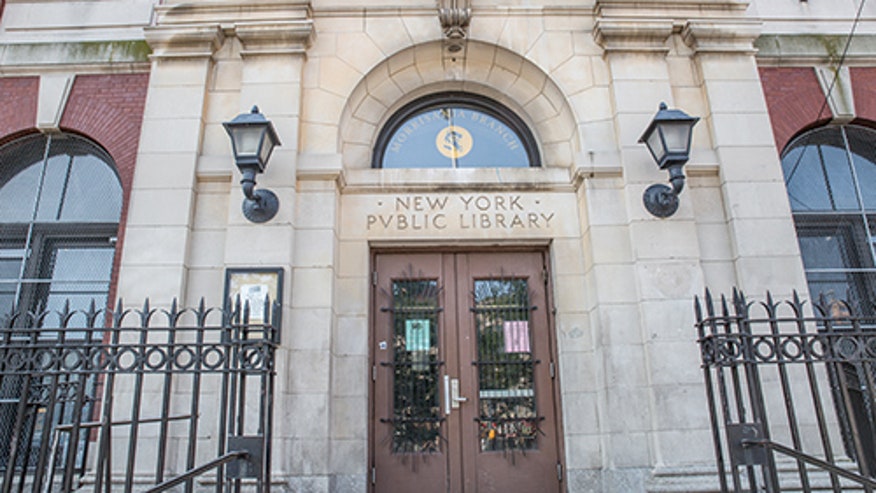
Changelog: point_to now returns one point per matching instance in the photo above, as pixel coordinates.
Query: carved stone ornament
(455, 16)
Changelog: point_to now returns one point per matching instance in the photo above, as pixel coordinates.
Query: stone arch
(486, 69)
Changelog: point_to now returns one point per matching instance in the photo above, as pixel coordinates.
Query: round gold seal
(454, 142)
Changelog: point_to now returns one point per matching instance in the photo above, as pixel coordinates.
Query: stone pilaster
(162, 195)
(272, 57)
(645, 288)
(762, 236)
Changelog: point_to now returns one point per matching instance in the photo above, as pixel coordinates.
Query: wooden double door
(464, 392)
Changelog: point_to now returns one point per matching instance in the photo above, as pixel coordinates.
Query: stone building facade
(151, 83)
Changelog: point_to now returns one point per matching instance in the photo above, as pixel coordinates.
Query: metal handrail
(193, 473)
(839, 471)
(67, 428)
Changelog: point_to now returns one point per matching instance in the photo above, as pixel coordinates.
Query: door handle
(455, 398)
(451, 394)
(446, 394)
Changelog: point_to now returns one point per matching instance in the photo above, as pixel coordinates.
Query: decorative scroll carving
(455, 16)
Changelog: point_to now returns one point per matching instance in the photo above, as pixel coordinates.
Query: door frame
(556, 391)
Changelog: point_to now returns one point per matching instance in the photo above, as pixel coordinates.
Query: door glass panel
(417, 415)
(507, 414)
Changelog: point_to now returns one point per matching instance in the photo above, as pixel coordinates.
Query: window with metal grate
(830, 174)
(60, 202)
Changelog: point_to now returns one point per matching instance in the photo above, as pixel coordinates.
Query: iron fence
(791, 391)
(137, 399)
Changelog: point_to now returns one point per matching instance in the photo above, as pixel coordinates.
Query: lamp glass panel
(655, 144)
(247, 140)
(266, 149)
(676, 135)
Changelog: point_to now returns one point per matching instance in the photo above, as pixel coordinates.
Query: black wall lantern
(253, 138)
(668, 138)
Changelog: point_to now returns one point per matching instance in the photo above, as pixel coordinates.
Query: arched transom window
(830, 174)
(60, 202)
(455, 130)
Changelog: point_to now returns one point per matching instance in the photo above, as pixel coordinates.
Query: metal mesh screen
(830, 175)
(60, 202)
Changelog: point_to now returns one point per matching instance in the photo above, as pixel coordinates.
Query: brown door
(464, 396)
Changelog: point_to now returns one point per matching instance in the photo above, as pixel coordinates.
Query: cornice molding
(814, 49)
(265, 27)
(184, 41)
(639, 35)
(670, 8)
(289, 37)
(230, 13)
(735, 36)
(78, 57)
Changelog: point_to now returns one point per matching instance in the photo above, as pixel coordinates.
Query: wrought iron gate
(791, 391)
(142, 399)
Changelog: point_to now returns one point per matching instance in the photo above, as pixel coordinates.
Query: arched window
(60, 202)
(830, 174)
(455, 130)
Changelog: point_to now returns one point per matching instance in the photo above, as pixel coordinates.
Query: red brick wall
(18, 105)
(105, 108)
(864, 92)
(109, 110)
(794, 99)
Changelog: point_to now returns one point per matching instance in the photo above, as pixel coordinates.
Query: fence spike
(237, 313)
(11, 317)
(710, 305)
(229, 310)
(119, 313)
(266, 314)
(64, 314)
(146, 314)
(174, 314)
(738, 297)
(202, 312)
(796, 304)
(820, 306)
(37, 316)
(91, 315)
(770, 305)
